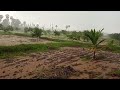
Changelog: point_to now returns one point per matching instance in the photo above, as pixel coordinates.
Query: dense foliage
(115, 36)
(36, 32)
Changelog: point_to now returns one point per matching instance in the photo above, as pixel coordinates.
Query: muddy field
(66, 63)
(8, 40)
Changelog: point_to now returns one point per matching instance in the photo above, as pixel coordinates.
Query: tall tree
(24, 23)
(1, 17)
(6, 22)
(52, 27)
(15, 22)
(7, 16)
(56, 26)
(37, 25)
(67, 26)
(1, 27)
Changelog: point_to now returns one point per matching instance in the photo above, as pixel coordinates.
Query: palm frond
(94, 35)
(100, 42)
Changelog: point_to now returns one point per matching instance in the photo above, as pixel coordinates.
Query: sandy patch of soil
(8, 40)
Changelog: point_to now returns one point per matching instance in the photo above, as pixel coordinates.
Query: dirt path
(64, 63)
(8, 40)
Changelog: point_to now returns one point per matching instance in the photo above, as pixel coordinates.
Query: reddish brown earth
(66, 63)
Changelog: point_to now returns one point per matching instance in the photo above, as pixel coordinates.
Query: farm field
(66, 63)
(37, 49)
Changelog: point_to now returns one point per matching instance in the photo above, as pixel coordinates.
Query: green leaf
(100, 42)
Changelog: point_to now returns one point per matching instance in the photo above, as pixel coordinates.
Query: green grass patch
(13, 33)
(112, 48)
(22, 34)
(5, 33)
(116, 72)
(10, 51)
(52, 39)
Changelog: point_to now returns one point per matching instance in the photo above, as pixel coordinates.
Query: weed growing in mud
(56, 73)
(115, 73)
(99, 77)
(113, 48)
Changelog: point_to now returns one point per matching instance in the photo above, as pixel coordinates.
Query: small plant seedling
(115, 73)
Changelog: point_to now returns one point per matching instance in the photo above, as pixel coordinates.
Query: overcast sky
(78, 20)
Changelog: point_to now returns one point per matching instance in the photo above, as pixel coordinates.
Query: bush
(8, 28)
(1, 27)
(36, 32)
(57, 33)
(64, 32)
(26, 29)
(74, 35)
(115, 36)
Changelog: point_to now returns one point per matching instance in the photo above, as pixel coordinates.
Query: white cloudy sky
(79, 20)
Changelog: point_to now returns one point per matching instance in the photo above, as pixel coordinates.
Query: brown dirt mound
(57, 73)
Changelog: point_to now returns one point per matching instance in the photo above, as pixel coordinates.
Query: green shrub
(36, 32)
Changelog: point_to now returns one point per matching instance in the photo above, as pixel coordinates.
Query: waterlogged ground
(8, 40)
(66, 63)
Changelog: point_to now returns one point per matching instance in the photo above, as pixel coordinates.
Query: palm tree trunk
(94, 51)
(94, 55)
